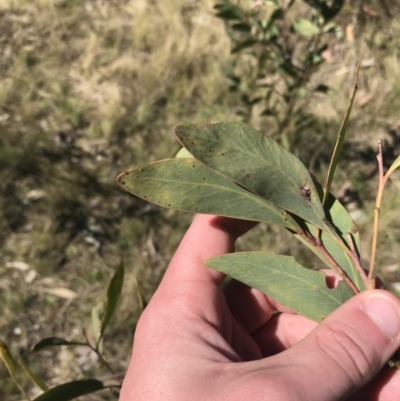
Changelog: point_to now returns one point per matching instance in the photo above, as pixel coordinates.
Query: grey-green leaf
(340, 141)
(257, 163)
(187, 185)
(71, 390)
(53, 342)
(113, 294)
(337, 244)
(283, 279)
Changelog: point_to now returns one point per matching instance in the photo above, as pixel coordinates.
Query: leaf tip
(120, 178)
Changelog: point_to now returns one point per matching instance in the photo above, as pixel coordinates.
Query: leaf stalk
(355, 257)
(382, 179)
(320, 246)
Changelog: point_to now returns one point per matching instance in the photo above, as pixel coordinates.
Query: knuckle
(353, 354)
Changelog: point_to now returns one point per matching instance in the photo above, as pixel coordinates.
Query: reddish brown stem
(356, 260)
(320, 246)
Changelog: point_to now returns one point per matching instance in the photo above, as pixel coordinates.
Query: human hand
(195, 341)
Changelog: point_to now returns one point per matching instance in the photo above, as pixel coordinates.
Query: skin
(196, 341)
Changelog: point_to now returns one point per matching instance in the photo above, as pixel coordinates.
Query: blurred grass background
(90, 88)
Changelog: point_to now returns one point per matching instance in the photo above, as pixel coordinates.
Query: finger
(208, 236)
(251, 308)
(282, 331)
(384, 387)
(346, 350)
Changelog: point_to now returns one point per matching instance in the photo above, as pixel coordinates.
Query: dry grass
(90, 88)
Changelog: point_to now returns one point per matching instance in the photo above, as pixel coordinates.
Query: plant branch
(101, 357)
(381, 185)
(355, 257)
(106, 364)
(317, 243)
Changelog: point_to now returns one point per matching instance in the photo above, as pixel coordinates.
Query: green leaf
(341, 220)
(329, 26)
(241, 27)
(277, 14)
(71, 390)
(228, 11)
(323, 8)
(271, 31)
(323, 88)
(339, 142)
(316, 59)
(189, 186)
(113, 294)
(393, 167)
(35, 379)
(287, 67)
(335, 240)
(6, 356)
(305, 28)
(141, 299)
(257, 163)
(283, 279)
(330, 12)
(244, 45)
(53, 342)
(267, 112)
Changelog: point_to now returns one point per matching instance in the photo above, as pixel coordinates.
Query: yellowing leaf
(35, 379)
(7, 358)
(187, 185)
(393, 167)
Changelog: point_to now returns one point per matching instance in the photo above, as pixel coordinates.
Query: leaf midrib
(267, 163)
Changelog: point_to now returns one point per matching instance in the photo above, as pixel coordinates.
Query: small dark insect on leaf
(306, 192)
(327, 222)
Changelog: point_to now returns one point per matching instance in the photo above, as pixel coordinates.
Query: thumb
(348, 348)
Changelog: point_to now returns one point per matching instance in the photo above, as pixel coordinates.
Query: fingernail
(384, 314)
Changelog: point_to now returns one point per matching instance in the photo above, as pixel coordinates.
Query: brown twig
(101, 357)
(356, 260)
(106, 364)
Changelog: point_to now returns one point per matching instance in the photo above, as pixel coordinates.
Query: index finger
(208, 236)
